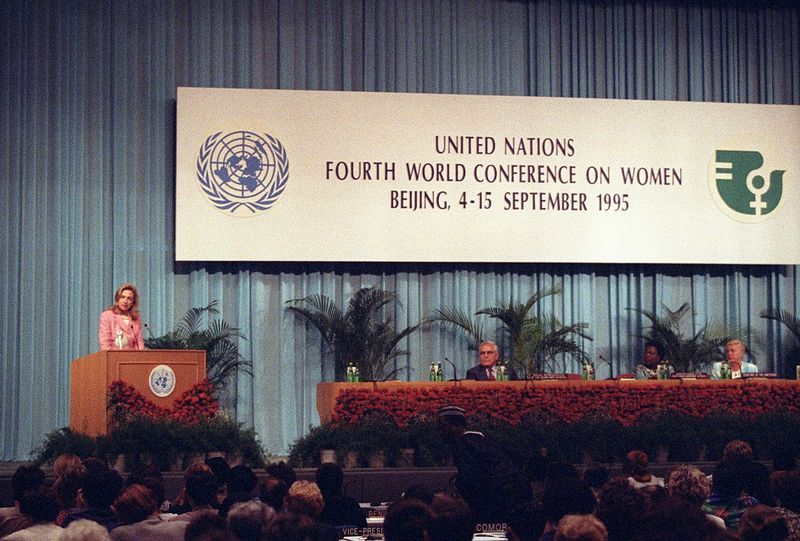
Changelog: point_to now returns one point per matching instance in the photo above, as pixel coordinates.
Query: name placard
(283, 175)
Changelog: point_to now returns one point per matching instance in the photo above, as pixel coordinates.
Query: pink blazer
(110, 323)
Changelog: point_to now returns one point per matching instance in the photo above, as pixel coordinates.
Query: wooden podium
(90, 377)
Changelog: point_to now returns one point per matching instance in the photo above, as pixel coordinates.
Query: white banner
(285, 175)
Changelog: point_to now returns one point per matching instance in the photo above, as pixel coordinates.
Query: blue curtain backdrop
(87, 105)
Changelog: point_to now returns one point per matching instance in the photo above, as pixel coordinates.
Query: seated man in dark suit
(487, 364)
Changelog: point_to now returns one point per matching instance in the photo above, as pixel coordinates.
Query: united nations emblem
(162, 380)
(242, 170)
(745, 190)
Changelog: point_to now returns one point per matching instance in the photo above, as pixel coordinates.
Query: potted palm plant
(792, 324)
(363, 334)
(688, 353)
(219, 340)
(535, 340)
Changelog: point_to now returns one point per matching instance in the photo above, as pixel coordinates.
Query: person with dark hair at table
(488, 480)
(25, 479)
(653, 355)
(486, 370)
(339, 510)
(121, 324)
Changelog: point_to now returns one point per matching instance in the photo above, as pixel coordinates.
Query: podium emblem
(162, 380)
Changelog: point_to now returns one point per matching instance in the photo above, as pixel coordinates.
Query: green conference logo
(747, 190)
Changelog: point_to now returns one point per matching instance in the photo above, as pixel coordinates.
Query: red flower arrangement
(193, 405)
(571, 402)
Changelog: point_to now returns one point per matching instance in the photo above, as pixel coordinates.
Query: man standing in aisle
(486, 370)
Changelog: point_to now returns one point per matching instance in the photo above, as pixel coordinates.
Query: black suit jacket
(478, 373)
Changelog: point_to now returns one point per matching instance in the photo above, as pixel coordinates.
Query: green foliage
(161, 441)
(219, 340)
(362, 334)
(535, 340)
(792, 324)
(688, 352)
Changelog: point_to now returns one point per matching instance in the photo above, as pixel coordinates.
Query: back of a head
(304, 498)
(407, 520)
(282, 471)
(636, 462)
(330, 478)
(26, 478)
(621, 508)
(689, 483)
(65, 461)
(676, 520)
(567, 497)
(273, 492)
(201, 488)
(84, 530)
(220, 468)
(526, 522)
(40, 505)
(101, 486)
(728, 482)
(737, 450)
(136, 503)
(249, 520)
(208, 527)
(242, 479)
(596, 475)
(452, 519)
(785, 487)
(292, 527)
(763, 523)
(581, 528)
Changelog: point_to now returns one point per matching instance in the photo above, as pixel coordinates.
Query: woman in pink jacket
(120, 325)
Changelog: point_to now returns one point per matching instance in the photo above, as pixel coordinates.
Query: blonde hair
(581, 528)
(64, 462)
(689, 483)
(127, 286)
(304, 498)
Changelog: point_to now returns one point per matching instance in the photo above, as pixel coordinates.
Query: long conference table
(569, 397)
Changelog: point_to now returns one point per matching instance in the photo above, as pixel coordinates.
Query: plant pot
(350, 460)
(327, 456)
(406, 458)
(377, 459)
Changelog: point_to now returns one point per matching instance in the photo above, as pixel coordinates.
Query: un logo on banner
(242, 169)
(746, 189)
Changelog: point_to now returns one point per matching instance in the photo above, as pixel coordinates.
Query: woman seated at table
(734, 355)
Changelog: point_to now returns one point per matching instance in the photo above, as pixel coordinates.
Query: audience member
(526, 522)
(407, 520)
(137, 512)
(41, 507)
(653, 496)
(66, 486)
(291, 527)
(693, 487)
(65, 462)
(242, 484)
(621, 508)
(273, 492)
(208, 527)
(84, 530)
(248, 520)
(181, 503)
(637, 466)
(565, 497)
(305, 498)
(785, 488)
(596, 476)
(763, 523)
(488, 480)
(729, 496)
(25, 479)
(281, 470)
(201, 493)
(101, 486)
(221, 470)
(678, 520)
(452, 519)
(581, 528)
(739, 454)
(339, 510)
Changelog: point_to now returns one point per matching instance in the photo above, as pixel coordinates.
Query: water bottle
(585, 371)
(439, 372)
(351, 372)
(501, 372)
(356, 374)
(432, 374)
(590, 372)
(797, 370)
